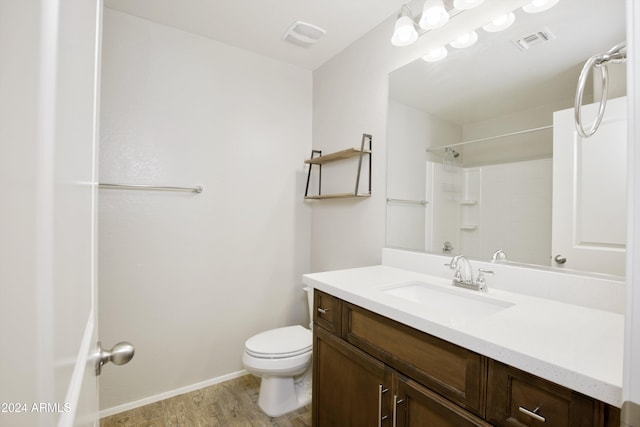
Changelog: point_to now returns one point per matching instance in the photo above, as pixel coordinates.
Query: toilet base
(281, 395)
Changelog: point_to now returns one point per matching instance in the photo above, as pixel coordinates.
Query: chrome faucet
(463, 274)
(498, 255)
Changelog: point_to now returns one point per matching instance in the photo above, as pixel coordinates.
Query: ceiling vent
(303, 34)
(534, 39)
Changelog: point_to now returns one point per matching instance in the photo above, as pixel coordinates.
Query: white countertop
(577, 347)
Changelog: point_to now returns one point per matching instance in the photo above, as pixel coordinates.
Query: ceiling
(494, 77)
(258, 25)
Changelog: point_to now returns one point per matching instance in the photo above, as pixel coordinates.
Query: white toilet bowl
(282, 359)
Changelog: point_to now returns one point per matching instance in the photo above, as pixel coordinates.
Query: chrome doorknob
(560, 259)
(119, 354)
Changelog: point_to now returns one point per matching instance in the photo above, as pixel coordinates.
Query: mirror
(470, 164)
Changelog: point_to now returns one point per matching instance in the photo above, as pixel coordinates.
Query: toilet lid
(278, 343)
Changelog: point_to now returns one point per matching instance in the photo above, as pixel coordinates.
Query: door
(74, 196)
(48, 141)
(589, 206)
(349, 386)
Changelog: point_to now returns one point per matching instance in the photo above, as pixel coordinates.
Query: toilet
(282, 359)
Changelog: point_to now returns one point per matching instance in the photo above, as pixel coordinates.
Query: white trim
(168, 394)
(631, 378)
(44, 201)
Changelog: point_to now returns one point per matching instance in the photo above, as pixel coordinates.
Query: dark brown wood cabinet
(327, 312)
(350, 388)
(451, 370)
(371, 371)
(417, 406)
(517, 398)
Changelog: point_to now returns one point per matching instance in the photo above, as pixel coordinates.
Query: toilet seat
(280, 343)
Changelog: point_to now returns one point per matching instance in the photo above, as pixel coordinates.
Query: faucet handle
(481, 281)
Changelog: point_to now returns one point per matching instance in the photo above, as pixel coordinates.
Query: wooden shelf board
(339, 155)
(337, 196)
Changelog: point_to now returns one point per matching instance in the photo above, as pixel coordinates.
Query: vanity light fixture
(467, 4)
(434, 15)
(404, 32)
(500, 23)
(539, 5)
(436, 54)
(465, 40)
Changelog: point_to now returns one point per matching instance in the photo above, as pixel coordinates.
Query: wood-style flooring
(231, 403)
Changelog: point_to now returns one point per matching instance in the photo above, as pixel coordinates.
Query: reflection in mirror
(472, 166)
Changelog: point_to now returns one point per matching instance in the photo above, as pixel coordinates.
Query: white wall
(350, 96)
(521, 227)
(188, 278)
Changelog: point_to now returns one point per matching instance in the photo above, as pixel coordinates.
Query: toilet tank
(309, 291)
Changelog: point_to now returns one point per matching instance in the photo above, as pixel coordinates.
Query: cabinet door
(415, 405)
(350, 388)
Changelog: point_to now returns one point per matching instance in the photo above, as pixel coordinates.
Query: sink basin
(450, 305)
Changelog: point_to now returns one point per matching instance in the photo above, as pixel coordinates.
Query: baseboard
(166, 395)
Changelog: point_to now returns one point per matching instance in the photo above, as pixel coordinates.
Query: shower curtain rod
(473, 141)
(197, 189)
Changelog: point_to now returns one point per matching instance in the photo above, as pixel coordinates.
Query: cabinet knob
(323, 310)
(560, 259)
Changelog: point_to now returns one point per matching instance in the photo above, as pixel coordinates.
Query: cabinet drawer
(415, 405)
(452, 371)
(327, 311)
(517, 398)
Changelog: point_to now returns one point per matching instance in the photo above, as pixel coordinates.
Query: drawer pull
(381, 391)
(533, 414)
(323, 310)
(396, 402)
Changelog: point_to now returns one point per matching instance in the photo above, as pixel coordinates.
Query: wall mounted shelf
(348, 153)
(336, 196)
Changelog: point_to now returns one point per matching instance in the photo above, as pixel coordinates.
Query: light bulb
(434, 15)
(467, 4)
(539, 5)
(405, 32)
(436, 54)
(500, 23)
(465, 40)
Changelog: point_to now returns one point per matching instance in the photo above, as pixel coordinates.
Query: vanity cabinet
(369, 370)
